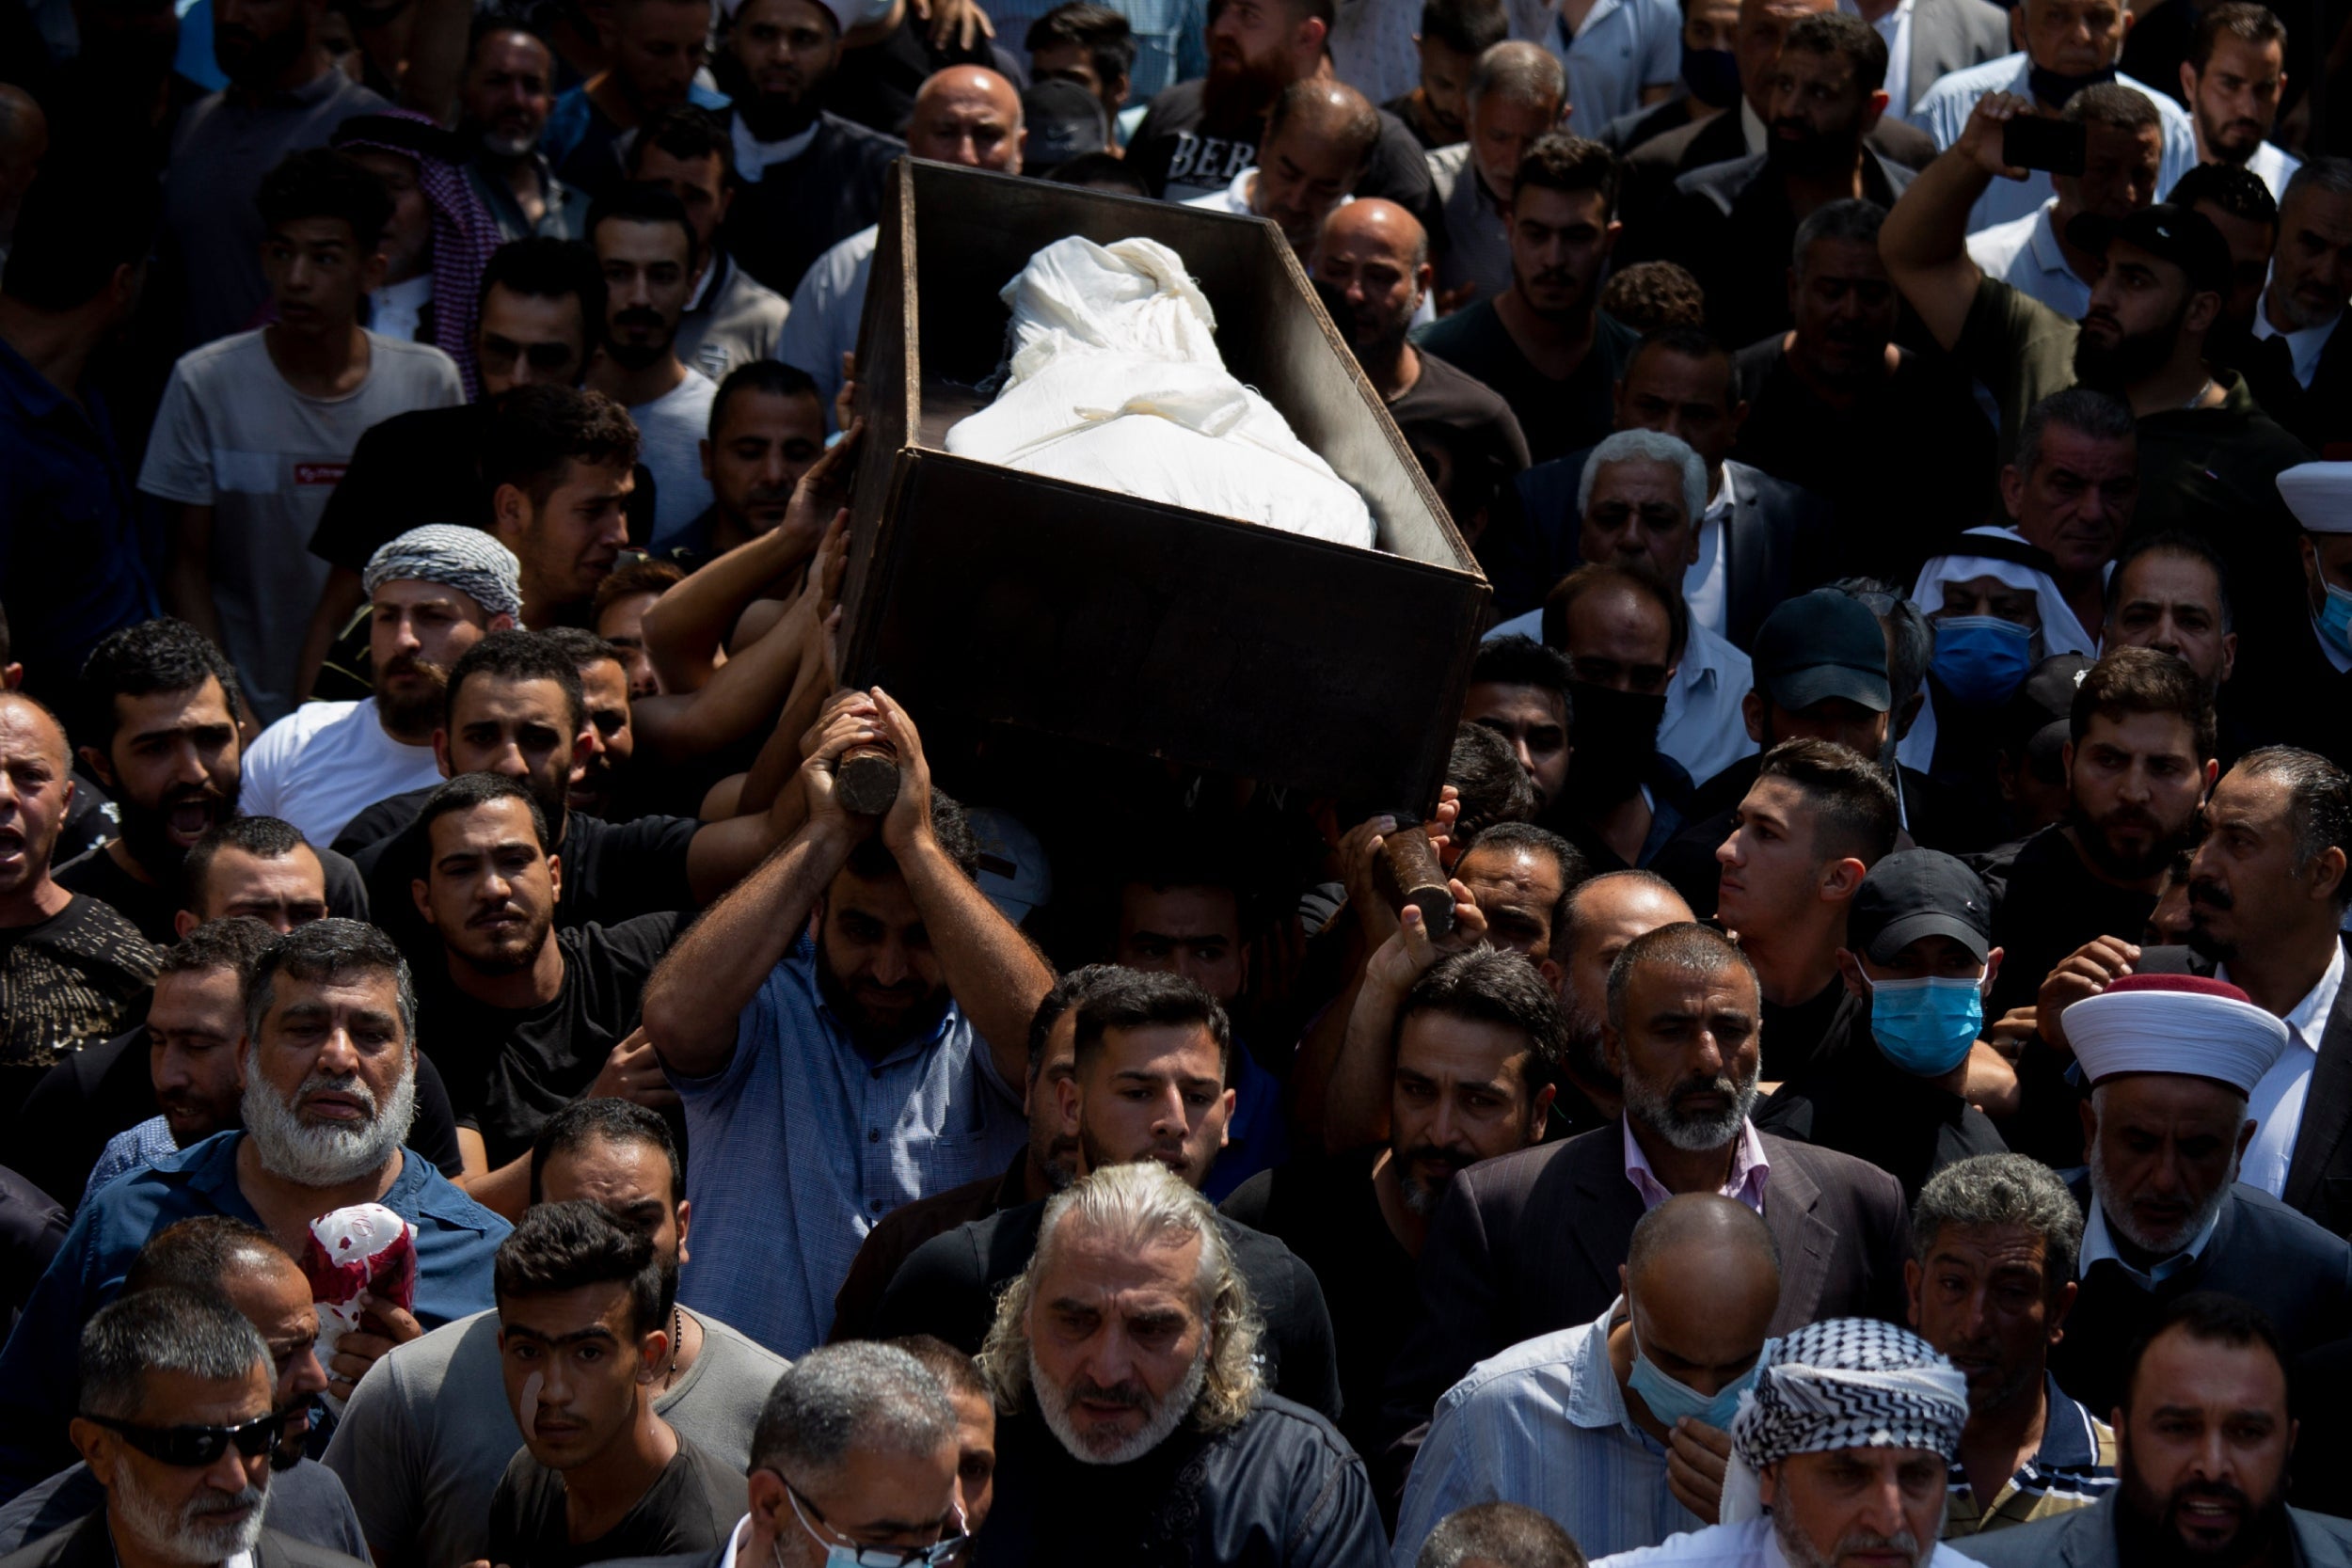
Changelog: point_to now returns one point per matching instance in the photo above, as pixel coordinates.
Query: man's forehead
(1668, 987)
(1517, 866)
(2170, 575)
(485, 698)
(611, 1171)
(237, 870)
(1636, 479)
(1091, 1266)
(1997, 1244)
(491, 824)
(25, 730)
(1618, 622)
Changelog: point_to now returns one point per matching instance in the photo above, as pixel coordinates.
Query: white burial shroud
(1117, 383)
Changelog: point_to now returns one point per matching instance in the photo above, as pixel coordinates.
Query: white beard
(183, 1535)
(296, 1151)
(1053, 1403)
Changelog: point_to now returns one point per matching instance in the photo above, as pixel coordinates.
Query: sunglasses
(192, 1448)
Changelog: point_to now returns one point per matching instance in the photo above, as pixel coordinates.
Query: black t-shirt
(71, 980)
(691, 1507)
(509, 1071)
(1555, 416)
(1466, 436)
(1180, 155)
(1851, 1098)
(1918, 436)
(612, 871)
(1327, 1211)
(1794, 1035)
(152, 908)
(2051, 905)
(875, 85)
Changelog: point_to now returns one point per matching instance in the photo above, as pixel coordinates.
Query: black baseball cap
(2037, 723)
(2181, 235)
(1915, 894)
(1064, 121)
(1820, 645)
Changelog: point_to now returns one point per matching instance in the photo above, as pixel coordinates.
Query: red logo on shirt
(319, 473)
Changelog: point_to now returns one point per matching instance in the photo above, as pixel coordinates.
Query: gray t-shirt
(306, 1501)
(428, 1432)
(231, 435)
(671, 430)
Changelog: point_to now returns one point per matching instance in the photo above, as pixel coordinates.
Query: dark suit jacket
(1531, 1242)
(1652, 168)
(948, 1287)
(2315, 415)
(87, 1544)
(1776, 539)
(1724, 219)
(2262, 1252)
(2319, 1177)
(1952, 35)
(89, 1096)
(2085, 1538)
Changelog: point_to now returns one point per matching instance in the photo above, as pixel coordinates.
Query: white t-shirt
(670, 432)
(326, 763)
(231, 435)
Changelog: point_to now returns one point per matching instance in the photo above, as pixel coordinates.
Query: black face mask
(1615, 734)
(1713, 76)
(2054, 89)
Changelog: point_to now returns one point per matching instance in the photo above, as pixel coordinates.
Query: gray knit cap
(465, 558)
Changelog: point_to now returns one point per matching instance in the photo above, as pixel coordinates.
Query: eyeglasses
(944, 1553)
(192, 1448)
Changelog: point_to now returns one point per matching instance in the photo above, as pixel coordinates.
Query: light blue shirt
(1545, 1425)
(1625, 46)
(801, 1143)
(1942, 110)
(1171, 39)
(143, 1144)
(2025, 254)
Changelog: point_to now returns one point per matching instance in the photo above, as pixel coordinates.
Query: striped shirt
(2073, 1469)
(1545, 1425)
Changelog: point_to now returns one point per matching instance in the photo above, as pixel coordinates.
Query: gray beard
(326, 1156)
(1053, 1403)
(1691, 1135)
(2120, 1222)
(1799, 1549)
(184, 1534)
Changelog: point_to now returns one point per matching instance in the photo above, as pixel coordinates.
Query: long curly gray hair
(1134, 1206)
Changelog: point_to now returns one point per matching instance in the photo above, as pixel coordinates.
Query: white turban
(2062, 632)
(2179, 1023)
(1848, 1383)
(2319, 495)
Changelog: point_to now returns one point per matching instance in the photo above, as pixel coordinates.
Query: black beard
(147, 833)
(637, 356)
(2156, 1542)
(2129, 868)
(1239, 97)
(2130, 359)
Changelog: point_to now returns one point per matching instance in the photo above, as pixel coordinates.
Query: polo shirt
(1624, 46)
(457, 1239)
(2024, 253)
(803, 1141)
(2073, 1468)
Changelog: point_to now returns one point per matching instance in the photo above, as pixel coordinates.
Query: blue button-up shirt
(457, 1239)
(803, 1142)
(71, 565)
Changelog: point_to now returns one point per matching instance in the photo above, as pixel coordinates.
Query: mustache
(2212, 894)
(208, 1502)
(637, 315)
(1128, 1395)
(410, 664)
(1452, 1156)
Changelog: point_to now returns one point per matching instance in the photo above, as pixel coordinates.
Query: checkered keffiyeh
(1850, 1382)
(462, 558)
(464, 232)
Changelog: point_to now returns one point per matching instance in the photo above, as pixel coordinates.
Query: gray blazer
(1949, 36)
(2085, 1539)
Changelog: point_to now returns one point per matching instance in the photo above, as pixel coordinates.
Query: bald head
(967, 114)
(1318, 139)
(1703, 1281)
(1704, 1230)
(1372, 257)
(34, 790)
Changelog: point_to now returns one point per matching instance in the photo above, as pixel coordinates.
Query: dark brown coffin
(997, 596)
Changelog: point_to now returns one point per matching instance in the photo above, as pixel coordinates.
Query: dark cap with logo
(1915, 894)
(1820, 645)
(2035, 723)
(2181, 235)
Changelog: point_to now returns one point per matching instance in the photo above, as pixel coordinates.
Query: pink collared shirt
(1750, 1170)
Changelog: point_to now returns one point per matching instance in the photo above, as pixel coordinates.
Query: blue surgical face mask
(1927, 1027)
(1670, 1400)
(1981, 659)
(2335, 619)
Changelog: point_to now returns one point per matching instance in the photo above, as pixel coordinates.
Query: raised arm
(1355, 1099)
(994, 974)
(1925, 242)
(693, 1000)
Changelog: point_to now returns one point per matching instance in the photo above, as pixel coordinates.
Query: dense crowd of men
(1881, 1093)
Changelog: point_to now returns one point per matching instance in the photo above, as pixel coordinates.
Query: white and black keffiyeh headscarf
(1848, 1383)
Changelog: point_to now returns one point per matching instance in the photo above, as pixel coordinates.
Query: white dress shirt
(1750, 1544)
(2303, 347)
(2274, 166)
(2024, 253)
(1706, 582)
(2275, 1106)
